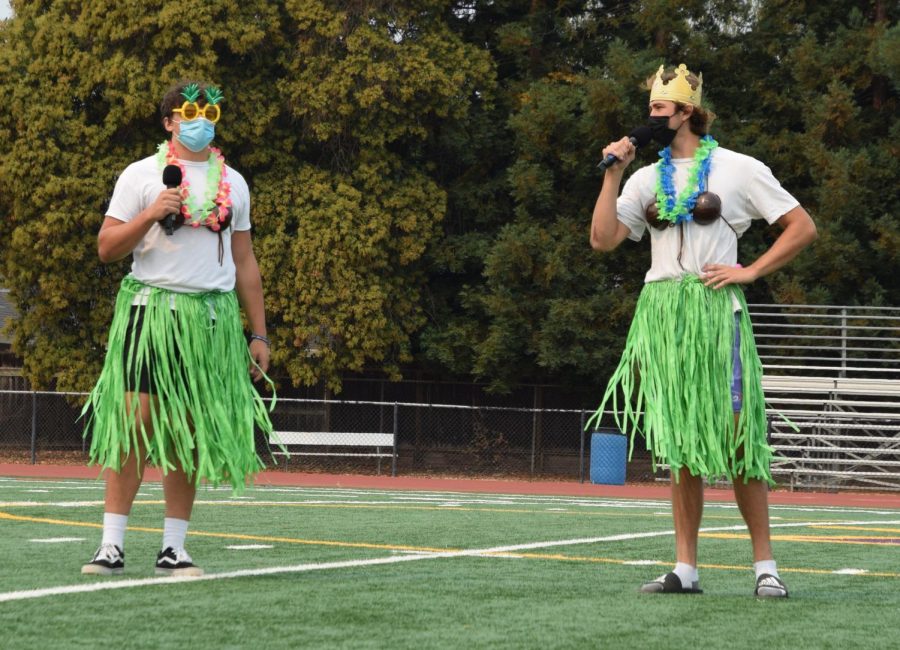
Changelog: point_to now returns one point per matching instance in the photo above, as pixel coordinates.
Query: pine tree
(808, 88)
(423, 172)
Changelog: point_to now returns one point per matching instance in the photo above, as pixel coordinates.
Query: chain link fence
(38, 426)
(34, 423)
(834, 370)
(370, 437)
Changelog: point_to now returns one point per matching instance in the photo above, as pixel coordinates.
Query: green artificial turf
(563, 596)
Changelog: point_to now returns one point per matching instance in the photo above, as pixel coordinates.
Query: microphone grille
(641, 135)
(171, 176)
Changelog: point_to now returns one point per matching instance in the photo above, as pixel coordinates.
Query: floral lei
(681, 209)
(212, 212)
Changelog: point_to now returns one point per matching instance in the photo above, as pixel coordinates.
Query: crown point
(677, 88)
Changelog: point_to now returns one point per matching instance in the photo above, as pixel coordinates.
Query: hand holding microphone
(624, 149)
(171, 178)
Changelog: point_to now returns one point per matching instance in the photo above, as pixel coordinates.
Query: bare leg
(753, 501)
(687, 511)
(179, 490)
(179, 493)
(122, 486)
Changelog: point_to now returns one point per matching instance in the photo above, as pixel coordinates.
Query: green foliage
(809, 88)
(327, 115)
(423, 172)
(829, 142)
(81, 85)
(345, 217)
(339, 253)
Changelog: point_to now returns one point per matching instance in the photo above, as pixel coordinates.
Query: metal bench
(836, 385)
(849, 431)
(377, 443)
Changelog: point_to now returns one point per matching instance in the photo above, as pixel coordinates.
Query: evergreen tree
(808, 88)
(423, 172)
(825, 120)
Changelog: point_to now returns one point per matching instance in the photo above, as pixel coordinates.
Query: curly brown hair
(174, 99)
(700, 120)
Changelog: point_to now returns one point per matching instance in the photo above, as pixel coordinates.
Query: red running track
(495, 486)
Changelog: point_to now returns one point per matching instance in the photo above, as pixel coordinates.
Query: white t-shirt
(188, 260)
(748, 191)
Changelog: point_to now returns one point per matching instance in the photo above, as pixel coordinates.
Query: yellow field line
(425, 549)
(255, 538)
(839, 527)
(813, 539)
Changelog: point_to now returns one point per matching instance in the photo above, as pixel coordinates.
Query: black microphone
(171, 178)
(640, 137)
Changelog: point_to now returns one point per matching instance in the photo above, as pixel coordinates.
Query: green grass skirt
(673, 383)
(207, 404)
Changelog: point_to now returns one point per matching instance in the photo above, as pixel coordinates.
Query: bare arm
(118, 238)
(798, 232)
(607, 232)
(248, 285)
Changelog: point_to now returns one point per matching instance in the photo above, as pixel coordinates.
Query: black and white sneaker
(109, 560)
(176, 562)
(769, 586)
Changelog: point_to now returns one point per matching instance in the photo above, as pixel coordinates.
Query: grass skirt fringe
(207, 405)
(675, 383)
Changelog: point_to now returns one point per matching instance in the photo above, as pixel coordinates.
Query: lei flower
(678, 210)
(212, 211)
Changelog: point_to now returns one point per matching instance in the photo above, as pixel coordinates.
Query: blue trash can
(609, 450)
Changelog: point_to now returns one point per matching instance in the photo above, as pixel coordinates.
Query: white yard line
(456, 503)
(248, 547)
(349, 564)
(326, 495)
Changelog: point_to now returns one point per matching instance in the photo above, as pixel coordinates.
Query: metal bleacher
(834, 373)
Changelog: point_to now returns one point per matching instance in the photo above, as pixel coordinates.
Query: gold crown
(678, 89)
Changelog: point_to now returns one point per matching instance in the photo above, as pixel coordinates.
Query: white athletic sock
(687, 574)
(174, 532)
(765, 566)
(114, 529)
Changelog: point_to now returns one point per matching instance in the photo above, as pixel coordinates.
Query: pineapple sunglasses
(191, 111)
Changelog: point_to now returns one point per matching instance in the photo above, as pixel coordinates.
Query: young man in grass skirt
(690, 378)
(176, 386)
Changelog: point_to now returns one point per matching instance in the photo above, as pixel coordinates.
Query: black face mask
(660, 131)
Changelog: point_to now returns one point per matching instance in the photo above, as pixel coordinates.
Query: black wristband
(260, 337)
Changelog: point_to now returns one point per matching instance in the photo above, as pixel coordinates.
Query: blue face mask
(196, 134)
